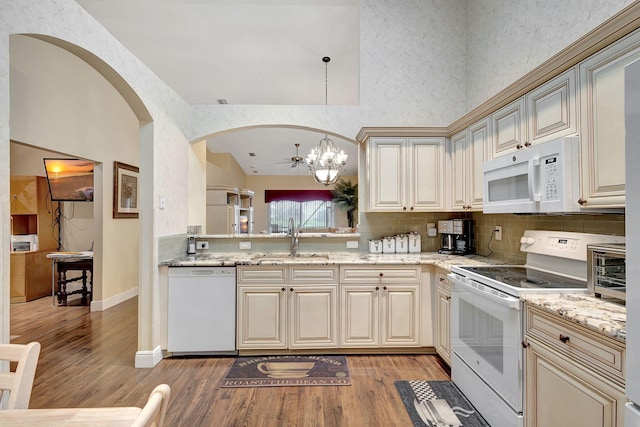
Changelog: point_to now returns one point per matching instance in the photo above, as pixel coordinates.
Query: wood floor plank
(87, 360)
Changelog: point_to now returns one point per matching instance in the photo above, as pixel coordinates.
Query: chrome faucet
(294, 237)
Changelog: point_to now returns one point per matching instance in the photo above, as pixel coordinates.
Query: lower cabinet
(380, 307)
(277, 312)
(319, 307)
(571, 376)
(443, 316)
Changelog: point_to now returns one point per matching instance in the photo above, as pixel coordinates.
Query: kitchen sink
(284, 257)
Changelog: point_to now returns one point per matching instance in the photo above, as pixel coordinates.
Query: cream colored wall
(73, 110)
(197, 183)
(222, 169)
(302, 182)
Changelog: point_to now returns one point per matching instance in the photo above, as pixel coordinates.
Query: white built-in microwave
(543, 178)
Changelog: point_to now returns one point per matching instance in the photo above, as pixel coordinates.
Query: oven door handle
(496, 296)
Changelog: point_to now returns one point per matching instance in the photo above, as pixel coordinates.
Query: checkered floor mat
(422, 390)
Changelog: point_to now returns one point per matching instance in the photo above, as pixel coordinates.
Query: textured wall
(506, 38)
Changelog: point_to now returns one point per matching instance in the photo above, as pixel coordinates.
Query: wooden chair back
(154, 410)
(20, 382)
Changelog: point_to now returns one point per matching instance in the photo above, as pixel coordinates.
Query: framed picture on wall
(125, 191)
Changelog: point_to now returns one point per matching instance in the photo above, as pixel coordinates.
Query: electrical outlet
(498, 232)
(201, 244)
(352, 244)
(244, 245)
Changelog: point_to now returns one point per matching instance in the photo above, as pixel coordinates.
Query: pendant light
(326, 161)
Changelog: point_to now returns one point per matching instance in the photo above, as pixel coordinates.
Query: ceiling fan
(295, 160)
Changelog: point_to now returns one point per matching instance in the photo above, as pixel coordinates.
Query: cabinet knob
(411, 207)
(384, 288)
(284, 289)
(377, 288)
(582, 201)
(381, 274)
(525, 344)
(291, 289)
(527, 144)
(442, 279)
(563, 338)
(448, 297)
(404, 208)
(519, 147)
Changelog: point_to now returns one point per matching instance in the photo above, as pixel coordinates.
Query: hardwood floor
(87, 359)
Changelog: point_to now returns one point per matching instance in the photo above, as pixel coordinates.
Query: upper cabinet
(405, 174)
(551, 108)
(602, 127)
(509, 128)
(468, 151)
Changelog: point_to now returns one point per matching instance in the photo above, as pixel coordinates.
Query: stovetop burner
(526, 278)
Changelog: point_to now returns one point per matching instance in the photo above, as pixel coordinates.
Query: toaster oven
(606, 274)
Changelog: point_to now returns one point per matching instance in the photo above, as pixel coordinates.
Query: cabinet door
(24, 194)
(400, 316)
(262, 317)
(478, 143)
(459, 171)
(425, 177)
(359, 316)
(313, 316)
(443, 324)
(602, 123)
(509, 128)
(223, 219)
(552, 108)
(386, 175)
(560, 393)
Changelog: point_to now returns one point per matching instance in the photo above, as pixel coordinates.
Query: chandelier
(326, 161)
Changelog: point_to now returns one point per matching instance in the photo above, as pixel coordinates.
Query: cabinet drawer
(386, 274)
(578, 343)
(270, 275)
(442, 281)
(309, 274)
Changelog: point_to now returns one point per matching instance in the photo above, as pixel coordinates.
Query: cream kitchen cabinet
(380, 307)
(443, 316)
(509, 126)
(287, 307)
(602, 128)
(405, 174)
(574, 376)
(468, 153)
(551, 108)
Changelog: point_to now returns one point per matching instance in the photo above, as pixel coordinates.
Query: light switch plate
(244, 245)
(352, 244)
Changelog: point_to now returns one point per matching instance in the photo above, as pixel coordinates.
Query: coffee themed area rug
(269, 371)
(438, 403)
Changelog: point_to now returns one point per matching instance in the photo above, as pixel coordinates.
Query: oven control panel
(563, 244)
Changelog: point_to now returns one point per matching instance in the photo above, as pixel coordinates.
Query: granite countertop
(600, 315)
(333, 258)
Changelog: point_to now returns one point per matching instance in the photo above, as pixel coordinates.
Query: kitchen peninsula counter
(333, 258)
(605, 317)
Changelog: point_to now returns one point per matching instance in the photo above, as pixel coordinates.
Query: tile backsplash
(507, 250)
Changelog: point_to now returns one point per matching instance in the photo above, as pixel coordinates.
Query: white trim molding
(148, 359)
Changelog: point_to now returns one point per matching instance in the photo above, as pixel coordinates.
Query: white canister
(388, 245)
(415, 242)
(375, 246)
(402, 243)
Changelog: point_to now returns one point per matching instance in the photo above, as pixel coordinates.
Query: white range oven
(487, 328)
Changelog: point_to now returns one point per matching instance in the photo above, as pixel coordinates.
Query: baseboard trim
(114, 300)
(148, 359)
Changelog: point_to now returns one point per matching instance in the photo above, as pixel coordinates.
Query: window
(309, 209)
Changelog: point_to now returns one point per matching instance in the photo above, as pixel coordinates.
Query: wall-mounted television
(70, 180)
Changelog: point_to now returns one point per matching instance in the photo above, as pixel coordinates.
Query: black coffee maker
(457, 236)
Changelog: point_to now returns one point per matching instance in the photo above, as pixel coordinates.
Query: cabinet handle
(404, 208)
(525, 344)
(582, 201)
(442, 279)
(283, 289)
(384, 288)
(564, 338)
(381, 274)
(377, 288)
(527, 144)
(291, 289)
(411, 207)
(448, 297)
(519, 147)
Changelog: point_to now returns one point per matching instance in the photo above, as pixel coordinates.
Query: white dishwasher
(202, 311)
